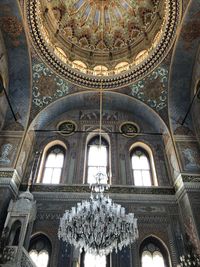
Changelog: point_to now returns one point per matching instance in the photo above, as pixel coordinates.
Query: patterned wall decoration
(190, 156)
(152, 90)
(47, 86)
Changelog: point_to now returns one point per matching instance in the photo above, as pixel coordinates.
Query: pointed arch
(40, 249)
(154, 253)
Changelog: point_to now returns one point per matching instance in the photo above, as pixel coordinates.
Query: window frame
(161, 248)
(42, 162)
(96, 137)
(90, 136)
(47, 245)
(82, 259)
(148, 153)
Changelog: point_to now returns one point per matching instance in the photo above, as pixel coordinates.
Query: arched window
(97, 159)
(52, 165)
(91, 260)
(141, 167)
(153, 253)
(40, 251)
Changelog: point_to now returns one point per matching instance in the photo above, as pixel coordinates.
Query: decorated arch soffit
(182, 68)
(57, 65)
(49, 87)
(112, 100)
(19, 78)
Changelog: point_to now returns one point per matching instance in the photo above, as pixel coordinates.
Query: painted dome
(107, 38)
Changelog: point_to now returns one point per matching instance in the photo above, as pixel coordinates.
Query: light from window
(97, 162)
(53, 167)
(141, 169)
(154, 259)
(40, 259)
(94, 260)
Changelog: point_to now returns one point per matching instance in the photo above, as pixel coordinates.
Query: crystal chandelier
(98, 225)
(190, 260)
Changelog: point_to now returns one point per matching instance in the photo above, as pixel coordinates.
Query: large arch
(19, 74)
(184, 56)
(111, 101)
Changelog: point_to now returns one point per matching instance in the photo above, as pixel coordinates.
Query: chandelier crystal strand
(98, 225)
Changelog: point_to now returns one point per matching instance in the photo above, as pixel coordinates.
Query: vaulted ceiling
(64, 51)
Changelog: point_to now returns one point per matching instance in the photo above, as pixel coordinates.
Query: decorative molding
(48, 216)
(113, 190)
(9, 254)
(6, 174)
(190, 179)
(10, 178)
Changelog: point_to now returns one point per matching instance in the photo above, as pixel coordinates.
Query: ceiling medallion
(129, 129)
(113, 41)
(67, 127)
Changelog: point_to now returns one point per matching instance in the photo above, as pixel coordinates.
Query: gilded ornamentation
(153, 89)
(135, 24)
(44, 83)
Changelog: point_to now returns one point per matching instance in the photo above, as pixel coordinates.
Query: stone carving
(9, 254)
(5, 152)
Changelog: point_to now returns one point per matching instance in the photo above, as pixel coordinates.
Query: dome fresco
(83, 39)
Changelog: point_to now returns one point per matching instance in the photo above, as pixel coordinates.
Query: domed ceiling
(119, 40)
